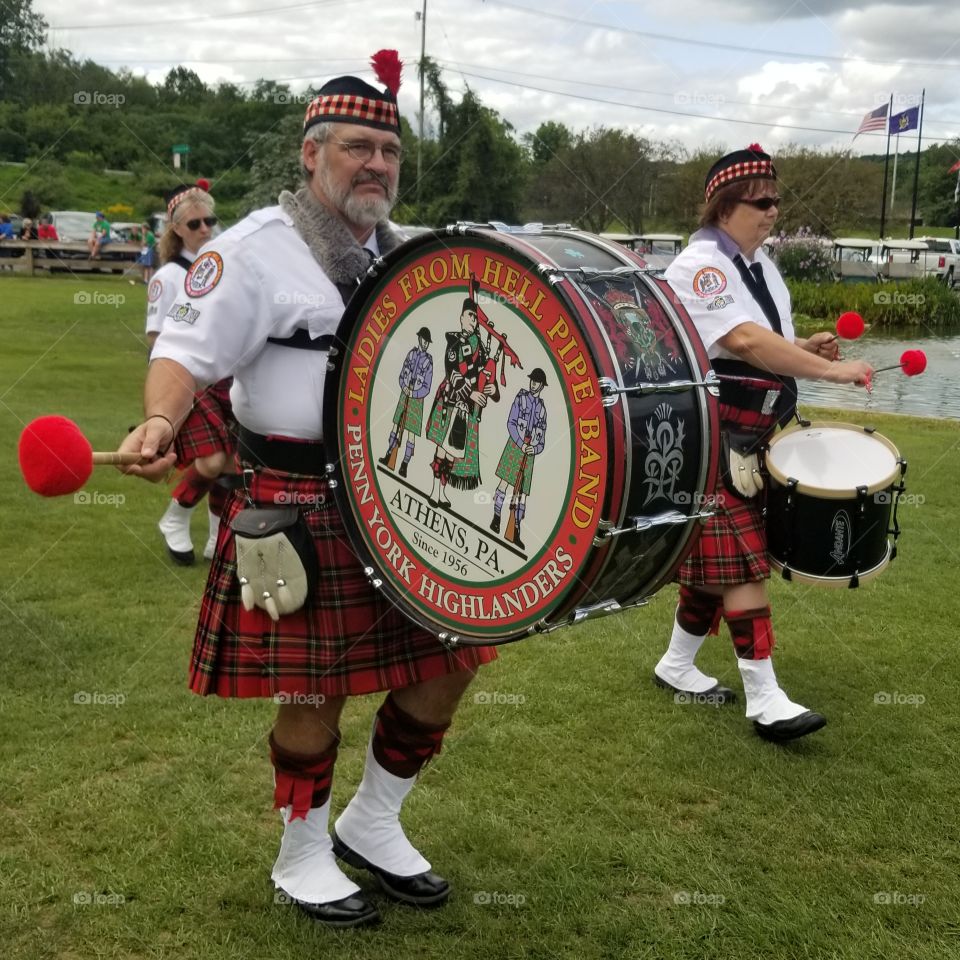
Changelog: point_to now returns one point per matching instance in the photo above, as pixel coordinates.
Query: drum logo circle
(473, 441)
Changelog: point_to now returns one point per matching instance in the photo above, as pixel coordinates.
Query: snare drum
(523, 430)
(833, 490)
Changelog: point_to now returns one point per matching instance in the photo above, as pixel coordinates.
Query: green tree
(549, 139)
(22, 31)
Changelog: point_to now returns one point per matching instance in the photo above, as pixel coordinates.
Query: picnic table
(30, 256)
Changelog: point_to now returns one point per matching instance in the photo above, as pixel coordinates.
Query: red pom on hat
(756, 148)
(55, 457)
(204, 184)
(387, 65)
(850, 325)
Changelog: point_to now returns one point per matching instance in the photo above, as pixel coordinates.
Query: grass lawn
(578, 812)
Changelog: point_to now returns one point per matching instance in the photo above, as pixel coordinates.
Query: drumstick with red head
(912, 363)
(850, 326)
(56, 458)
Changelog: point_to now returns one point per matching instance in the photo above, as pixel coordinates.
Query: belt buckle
(770, 402)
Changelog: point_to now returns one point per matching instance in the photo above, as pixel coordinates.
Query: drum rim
(832, 493)
(812, 579)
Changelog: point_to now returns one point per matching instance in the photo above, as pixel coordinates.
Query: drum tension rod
(610, 389)
(593, 612)
(587, 273)
(642, 524)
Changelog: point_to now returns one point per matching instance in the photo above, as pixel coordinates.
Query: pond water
(934, 393)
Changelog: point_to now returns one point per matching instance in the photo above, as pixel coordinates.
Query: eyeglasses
(195, 224)
(764, 203)
(364, 151)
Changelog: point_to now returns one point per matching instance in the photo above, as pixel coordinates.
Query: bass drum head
(473, 458)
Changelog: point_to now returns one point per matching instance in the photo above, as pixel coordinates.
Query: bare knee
(211, 466)
(434, 701)
(308, 723)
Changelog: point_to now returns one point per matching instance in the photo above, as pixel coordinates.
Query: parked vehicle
(660, 249)
(902, 259)
(73, 225)
(942, 259)
(856, 259)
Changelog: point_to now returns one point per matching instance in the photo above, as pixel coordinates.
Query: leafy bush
(803, 256)
(909, 303)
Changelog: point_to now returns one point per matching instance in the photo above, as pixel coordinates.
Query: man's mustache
(369, 175)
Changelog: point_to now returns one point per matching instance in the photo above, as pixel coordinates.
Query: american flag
(874, 120)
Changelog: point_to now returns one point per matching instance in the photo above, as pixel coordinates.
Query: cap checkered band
(194, 193)
(744, 170)
(348, 106)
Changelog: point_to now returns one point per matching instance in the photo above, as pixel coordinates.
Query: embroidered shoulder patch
(718, 303)
(154, 290)
(204, 274)
(183, 313)
(709, 281)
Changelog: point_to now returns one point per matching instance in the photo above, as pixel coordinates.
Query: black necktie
(757, 285)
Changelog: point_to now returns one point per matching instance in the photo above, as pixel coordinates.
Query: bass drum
(523, 429)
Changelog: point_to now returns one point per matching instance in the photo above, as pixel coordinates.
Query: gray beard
(362, 211)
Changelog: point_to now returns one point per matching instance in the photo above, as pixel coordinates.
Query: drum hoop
(797, 576)
(831, 493)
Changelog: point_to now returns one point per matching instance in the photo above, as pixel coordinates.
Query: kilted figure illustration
(527, 425)
(455, 417)
(416, 379)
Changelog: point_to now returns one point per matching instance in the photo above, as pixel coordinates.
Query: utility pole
(423, 57)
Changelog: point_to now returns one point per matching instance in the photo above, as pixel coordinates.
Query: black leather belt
(279, 453)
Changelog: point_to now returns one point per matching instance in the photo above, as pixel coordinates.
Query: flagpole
(886, 163)
(916, 169)
(956, 200)
(893, 187)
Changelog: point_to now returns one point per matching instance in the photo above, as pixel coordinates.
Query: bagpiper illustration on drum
(527, 425)
(416, 379)
(455, 418)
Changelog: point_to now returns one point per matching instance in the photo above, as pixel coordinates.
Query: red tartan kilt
(348, 640)
(209, 427)
(733, 544)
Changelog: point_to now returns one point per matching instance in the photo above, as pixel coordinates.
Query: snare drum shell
(826, 535)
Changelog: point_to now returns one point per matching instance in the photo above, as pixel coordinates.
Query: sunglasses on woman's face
(764, 203)
(195, 224)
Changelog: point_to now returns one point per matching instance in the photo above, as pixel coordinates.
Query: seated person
(100, 236)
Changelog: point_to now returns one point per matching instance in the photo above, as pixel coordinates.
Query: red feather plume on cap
(756, 148)
(387, 65)
(204, 184)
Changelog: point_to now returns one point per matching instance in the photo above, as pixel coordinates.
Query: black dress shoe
(782, 731)
(353, 911)
(403, 468)
(182, 558)
(716, 695)
(422, 890)
(384, 460)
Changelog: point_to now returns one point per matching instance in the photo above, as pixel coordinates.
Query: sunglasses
(764, 203)
(195, 224)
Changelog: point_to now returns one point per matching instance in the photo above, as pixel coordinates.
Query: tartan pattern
(465, 473)
(209, 427)
(302, 781)
(752, 633)
(509, 466)
(333, 107)
(733, 544)
(413, 419)
(740, 171)
(699, 613)
(401, 744)
(349, 640)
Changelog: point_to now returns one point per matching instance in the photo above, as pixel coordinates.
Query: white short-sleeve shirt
(257, 280)
(707, 282)
(163, 290)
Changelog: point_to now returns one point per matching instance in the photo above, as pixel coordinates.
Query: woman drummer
(205, 444)
(741, 308)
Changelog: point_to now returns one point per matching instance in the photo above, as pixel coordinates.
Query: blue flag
(906, 120)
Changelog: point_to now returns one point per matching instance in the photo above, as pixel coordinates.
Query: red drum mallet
(56, 458)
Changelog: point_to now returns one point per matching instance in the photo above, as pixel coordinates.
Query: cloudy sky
(772, 71)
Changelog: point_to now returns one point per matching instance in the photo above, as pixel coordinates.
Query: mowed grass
(576, 809)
